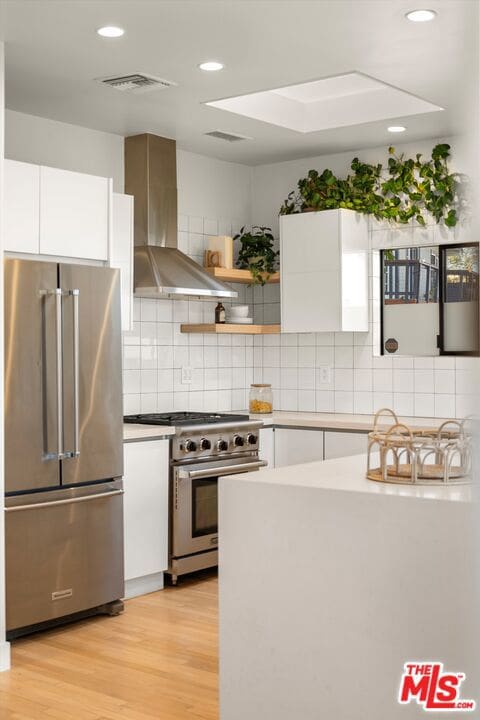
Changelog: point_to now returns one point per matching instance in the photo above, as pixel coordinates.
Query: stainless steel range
(204, 448)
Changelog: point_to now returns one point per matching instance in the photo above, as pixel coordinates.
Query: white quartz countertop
(321, 421)
(337, 421)
(132, 432)
(348, 475)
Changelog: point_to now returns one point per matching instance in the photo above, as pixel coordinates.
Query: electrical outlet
(325, 374)
(186, 375)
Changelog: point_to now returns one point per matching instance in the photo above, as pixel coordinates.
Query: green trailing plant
(407, 188)
(257, 253)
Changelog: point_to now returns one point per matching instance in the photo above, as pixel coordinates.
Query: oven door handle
(225, 470)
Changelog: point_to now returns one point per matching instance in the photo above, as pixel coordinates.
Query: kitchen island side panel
(327, 594)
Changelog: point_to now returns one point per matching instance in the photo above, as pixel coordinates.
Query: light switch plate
(186, 375)
(325, 373)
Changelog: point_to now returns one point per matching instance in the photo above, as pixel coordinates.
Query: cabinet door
(74, 214)
(343, 444)
(267, 447)
(146, 507)
(293, 447)
(310, 272)
(324, 271)
(122, 252)
(22, 207)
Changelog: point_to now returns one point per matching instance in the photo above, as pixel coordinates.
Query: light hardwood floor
(157, 661)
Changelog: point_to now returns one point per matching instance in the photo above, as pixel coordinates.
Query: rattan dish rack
(422, 456)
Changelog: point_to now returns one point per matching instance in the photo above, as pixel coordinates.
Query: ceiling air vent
(136, 82)
(229, 137)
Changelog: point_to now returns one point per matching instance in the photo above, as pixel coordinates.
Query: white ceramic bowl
(239, 311)
(242, 321)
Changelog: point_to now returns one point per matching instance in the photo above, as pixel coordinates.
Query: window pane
(460, 295)
(204, 507)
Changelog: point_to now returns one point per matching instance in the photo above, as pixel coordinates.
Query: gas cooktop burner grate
(183, 418)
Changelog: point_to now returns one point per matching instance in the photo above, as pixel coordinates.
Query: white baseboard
(143, 585)
(4, 656)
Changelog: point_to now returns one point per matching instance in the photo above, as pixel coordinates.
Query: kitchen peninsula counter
(330, 582)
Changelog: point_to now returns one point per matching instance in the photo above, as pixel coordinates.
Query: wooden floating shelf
(224, 328)
(238, 276)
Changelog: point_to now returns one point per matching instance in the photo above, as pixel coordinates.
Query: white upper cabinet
(74, 214)
(122, 252)
(324, 271)
(22, 207)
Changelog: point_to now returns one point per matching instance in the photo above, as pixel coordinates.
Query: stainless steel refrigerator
(63, 442)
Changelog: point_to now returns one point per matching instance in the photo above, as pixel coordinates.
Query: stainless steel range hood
(160, 269)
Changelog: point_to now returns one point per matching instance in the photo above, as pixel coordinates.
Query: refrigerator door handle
(76, 372)
(67, 501)
(57, 292)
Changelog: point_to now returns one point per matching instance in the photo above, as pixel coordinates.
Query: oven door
(195, 503)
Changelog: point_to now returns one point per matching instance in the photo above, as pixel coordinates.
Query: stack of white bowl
(238, 315)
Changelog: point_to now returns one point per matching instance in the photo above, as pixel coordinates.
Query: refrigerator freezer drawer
(64, 553)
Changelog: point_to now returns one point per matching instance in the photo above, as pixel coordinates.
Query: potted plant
(257, 253)
(409, 188)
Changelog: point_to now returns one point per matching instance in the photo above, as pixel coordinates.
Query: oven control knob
(252, 439)
(205, 444)
(238, 440)
(190, 446)
(222, 445)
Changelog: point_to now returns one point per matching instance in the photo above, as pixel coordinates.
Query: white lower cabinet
(146, 477)
(267, 447)
(293, 447)
(343, 444)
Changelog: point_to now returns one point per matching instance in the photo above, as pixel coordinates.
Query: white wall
(213, 188)
(4, 646)
(70, 147)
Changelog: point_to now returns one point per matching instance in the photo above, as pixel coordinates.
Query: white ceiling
(53, 56)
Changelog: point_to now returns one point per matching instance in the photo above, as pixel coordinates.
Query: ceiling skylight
(350, 99)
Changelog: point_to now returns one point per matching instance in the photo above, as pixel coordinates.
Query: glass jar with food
(261, 398)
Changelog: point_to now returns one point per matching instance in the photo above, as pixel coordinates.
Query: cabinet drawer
(63, 555)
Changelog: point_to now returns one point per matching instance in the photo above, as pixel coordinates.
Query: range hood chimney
(160, 269)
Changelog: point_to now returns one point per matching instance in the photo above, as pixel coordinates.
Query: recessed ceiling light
(396, 128)
(421, 15)
(111, 31)
(211, 66)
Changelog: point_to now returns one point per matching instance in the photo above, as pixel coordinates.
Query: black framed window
(459, 310)
(430, 300)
